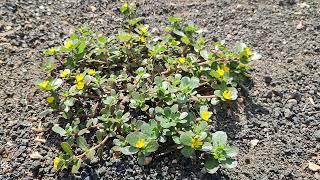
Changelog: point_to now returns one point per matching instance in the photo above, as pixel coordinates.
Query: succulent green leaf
(129, 150)
(90, 153)
(187, 151)
(152, 146)
(133, 137)
(219, 138)
(229, 163)
(124, 37)
(185, 40)
(212, 165)
(231, 151)
(57, 129)
(206, 147)
(186, 138)
(174, 19)
(82, 143)
(66, 148)
(204, 54)
(76, 166)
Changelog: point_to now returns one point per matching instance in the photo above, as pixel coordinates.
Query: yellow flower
(50, 99)
(220, 72)
(79, 77)
(43, 85)
(196, 143)
(142, 39)
(56, 162)
(52, 51)
(227, 94)
(80, 85)
(126, 5)
(225, 68)
(247, 52)
(143, 29)
(182, 60)
(68, 44)
(91, 71)
(140, 143)
(65, 73)
(205, 115)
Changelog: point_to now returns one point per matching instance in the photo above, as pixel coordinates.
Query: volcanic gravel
(279, 112)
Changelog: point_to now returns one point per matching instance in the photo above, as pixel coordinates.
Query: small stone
(268, 95)
(291, 103)
(253, 143)
(268, 79)
(300, 25)
(313, 166)
(317, 135)
(288, 113)
(36, 155)
(147, 160)
(93, 9)
(317, 176)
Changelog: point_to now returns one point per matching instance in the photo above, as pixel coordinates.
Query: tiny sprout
(65, 73)
(50, 99)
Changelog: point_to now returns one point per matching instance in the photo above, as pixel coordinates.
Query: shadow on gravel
(228, 114)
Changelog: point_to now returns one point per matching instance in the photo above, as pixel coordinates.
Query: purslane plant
(139, 90)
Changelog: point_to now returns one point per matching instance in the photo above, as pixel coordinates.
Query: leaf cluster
(140, 90)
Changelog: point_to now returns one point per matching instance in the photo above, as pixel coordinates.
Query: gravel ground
(276, 126)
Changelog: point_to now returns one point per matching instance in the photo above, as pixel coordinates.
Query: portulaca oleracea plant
(139, 90)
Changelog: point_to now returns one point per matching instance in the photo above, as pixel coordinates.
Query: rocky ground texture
(276, 126)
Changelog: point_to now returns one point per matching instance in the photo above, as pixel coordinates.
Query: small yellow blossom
(52, 51)
(247, 52)
(91, 71)
(227, 94)
(142, 39)
(44, 84)
(68, 44)
(225, 68)
(196, 143)
(126, 5)
(220, 72)
(56, 162)
(140, 143)
(65, 73)
(182, 60)
(50, 99)
(80, 85)
(79, 77)
(143, 29)
(205, 115)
